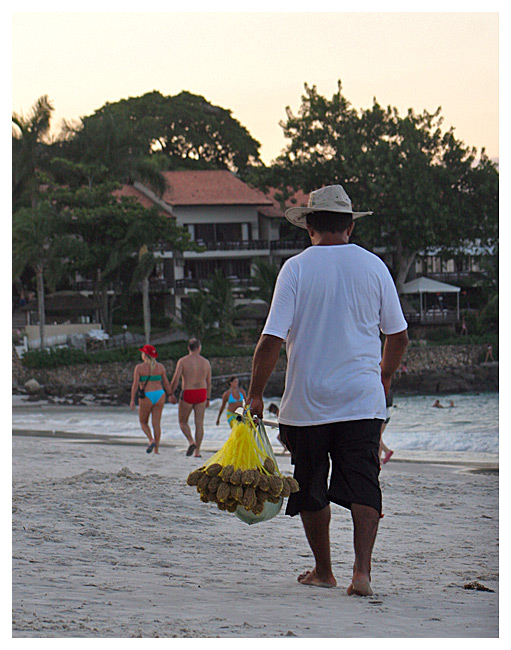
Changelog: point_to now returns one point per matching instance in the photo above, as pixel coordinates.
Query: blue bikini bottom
(154, 395)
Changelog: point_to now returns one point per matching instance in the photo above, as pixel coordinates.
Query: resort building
(234, 224)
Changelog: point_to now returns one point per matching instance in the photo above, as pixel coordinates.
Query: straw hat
(332, 198)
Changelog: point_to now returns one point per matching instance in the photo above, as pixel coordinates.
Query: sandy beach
(109, 541)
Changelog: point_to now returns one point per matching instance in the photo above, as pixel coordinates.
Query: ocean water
(468, 431)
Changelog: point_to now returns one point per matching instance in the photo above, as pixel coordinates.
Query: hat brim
(154, 356)
(297, 216)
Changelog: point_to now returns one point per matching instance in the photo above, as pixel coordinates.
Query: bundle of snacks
(243, 476)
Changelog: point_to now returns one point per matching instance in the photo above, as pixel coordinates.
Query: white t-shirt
(329, 304)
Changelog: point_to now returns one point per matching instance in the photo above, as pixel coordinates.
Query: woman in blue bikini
(150, 376)
(233, 397)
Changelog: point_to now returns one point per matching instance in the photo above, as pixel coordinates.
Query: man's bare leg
(199, 410)
(365, 527)
(317, 530)
(184, 411)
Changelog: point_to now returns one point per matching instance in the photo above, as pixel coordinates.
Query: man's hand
(256, 405)
(172, 399)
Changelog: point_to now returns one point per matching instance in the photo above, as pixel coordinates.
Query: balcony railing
(432, 317)
(246, 245)
(201, 283)
(239, 245)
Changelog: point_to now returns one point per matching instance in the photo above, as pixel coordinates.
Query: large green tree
(426, 188)
(138, 136)
(113, 231)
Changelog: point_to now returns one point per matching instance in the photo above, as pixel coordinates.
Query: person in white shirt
(330, 304)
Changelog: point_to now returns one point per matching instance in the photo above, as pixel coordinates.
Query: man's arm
(175, 381)
(393, 350)
(265, 358)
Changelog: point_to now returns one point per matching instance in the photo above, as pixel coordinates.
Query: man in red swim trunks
(195, 373)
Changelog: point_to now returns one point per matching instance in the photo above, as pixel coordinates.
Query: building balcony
(201, 283)
(245, 246)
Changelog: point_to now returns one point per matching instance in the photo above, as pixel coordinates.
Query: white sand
(109, 541)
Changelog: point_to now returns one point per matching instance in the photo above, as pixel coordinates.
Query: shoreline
(489, 466)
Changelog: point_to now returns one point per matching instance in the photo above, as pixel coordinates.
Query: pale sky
(255, 63)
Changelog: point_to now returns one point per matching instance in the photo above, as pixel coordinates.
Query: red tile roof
(210, 187)
(129, 190)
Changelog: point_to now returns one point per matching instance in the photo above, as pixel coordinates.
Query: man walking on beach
(195, 373)
(330, 303)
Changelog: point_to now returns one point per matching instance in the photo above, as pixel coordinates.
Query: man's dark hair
(193, 344)
(325, 221)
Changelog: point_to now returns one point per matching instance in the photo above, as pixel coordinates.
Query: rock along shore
(430, 370)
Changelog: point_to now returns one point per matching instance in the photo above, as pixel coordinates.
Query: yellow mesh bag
(243, 477)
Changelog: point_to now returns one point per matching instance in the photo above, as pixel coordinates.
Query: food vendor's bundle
(243, 476)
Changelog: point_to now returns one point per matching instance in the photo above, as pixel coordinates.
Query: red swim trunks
(195, 396)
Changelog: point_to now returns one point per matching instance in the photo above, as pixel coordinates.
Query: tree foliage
(28, 146)
(265, 277)
(41, 244)
(210, 312)
(426, 188)
(139, 136)
(113, 231)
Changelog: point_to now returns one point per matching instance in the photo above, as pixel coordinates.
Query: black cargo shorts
(349, 449)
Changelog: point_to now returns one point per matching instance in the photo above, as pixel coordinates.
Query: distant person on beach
(489, 353)
(437, 404)
(233, 398)
(464, 329)
(274, 410)
(194, 371)
(150, 376)
(387, 453)
(330, 304)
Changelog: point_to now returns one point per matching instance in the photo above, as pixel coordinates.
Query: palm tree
(27, 147)
(220, 297)
(145, 266)
(38, 244)
(27, 138)
(264, 279)
(110, 142)
(196, 315)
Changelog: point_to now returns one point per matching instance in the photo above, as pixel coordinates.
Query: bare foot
(387, 457)
(310, 578)
(359, 588)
